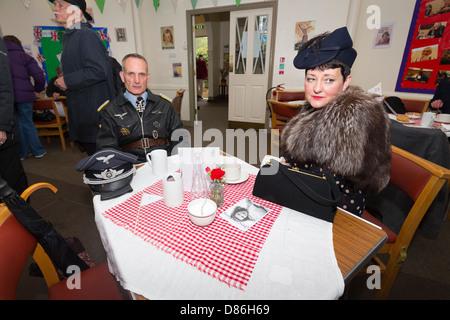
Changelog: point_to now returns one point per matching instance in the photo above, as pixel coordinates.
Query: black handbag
(314, 194)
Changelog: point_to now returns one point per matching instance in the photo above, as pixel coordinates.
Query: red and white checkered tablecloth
(220, 249)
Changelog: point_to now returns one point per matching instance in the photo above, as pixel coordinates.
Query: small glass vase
(216, 192)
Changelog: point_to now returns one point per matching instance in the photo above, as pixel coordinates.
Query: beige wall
(143, 29)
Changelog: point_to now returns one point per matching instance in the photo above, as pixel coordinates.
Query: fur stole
(350, 136)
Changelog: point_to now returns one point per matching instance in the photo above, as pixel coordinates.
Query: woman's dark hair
(333, 64)
(12, 39)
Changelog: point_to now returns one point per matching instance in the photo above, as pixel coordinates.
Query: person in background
(87, 76)
(52, 90)
(441, 98)
(137, 121)
(202, 76)
(23, 68)
(341, 128)
(11, 169)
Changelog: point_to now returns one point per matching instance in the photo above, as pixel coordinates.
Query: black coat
(88, 77)
(121, 125)
(7, 123)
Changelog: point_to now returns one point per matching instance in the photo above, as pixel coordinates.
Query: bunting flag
(194, 3)
(137, 3)
(156, 4)
(100, 4)
(238, 2)
(123, 4)
(26, 3)
(174, 5)
(215, 2)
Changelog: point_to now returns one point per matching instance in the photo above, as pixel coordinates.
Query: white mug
(232, 171)
(427, 119)
(173, 189)
(158, 159)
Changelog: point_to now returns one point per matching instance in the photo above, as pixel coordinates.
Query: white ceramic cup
(158, 160)
(173, 189)
(232, 171)
(427, 119)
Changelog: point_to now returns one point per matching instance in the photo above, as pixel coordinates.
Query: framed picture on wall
(167, 38)
(383, 36)
(121, 34)
(304, 31)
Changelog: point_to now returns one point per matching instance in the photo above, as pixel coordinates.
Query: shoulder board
(103, 105)
(165, 97)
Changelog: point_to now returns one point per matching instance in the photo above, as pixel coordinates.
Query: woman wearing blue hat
(341, 128)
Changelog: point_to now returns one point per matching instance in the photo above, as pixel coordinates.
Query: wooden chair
(283, 95)
(17, 244)
(176, 102)
(421, 180)
(282, 112)
(415, 105)
(57, 127)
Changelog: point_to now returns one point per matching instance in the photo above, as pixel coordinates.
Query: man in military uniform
(137, 121)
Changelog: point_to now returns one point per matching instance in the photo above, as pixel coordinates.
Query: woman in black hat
(341, 128)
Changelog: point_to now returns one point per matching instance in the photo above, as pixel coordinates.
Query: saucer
(243, 178)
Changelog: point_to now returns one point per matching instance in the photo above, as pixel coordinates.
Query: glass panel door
(260, 44)
(241, 45)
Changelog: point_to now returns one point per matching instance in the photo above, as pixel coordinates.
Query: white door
(250, 37)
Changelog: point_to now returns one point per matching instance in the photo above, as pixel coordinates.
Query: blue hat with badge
(108, 172)
(337, 45)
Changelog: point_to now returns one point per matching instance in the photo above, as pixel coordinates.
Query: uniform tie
(140, 104)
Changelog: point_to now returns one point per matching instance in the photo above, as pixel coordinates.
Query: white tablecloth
(296, 262)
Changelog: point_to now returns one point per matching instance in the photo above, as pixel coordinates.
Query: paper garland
(26, 3)
(123, 4)
(100, 4)
(156, 4)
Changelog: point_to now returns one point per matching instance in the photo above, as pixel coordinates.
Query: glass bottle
(199, 187)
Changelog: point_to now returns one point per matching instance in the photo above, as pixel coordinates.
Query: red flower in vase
(216, 174)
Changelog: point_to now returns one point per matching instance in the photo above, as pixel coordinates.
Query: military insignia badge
(155, 134)
(124, 131)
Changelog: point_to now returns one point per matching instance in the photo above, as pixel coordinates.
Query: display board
(49, 42)
(426, 59)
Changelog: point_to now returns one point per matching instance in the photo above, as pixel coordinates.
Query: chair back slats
(43, 104)
(408, 176)
(284, 110)
(282, 95)
(415, 105)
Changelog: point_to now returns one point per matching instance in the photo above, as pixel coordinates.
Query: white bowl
(202, 212)
(443, 117)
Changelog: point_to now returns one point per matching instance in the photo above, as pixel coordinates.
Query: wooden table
(355, 243)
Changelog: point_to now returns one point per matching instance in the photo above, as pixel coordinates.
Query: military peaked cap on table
(108, 172)
(337, 45)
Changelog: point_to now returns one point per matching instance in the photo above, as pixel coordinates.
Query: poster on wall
(49, 42)
(167, 39)
(383, 37)
(427, 53)
(304, 31)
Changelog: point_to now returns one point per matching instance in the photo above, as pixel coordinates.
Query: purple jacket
(23, 67)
